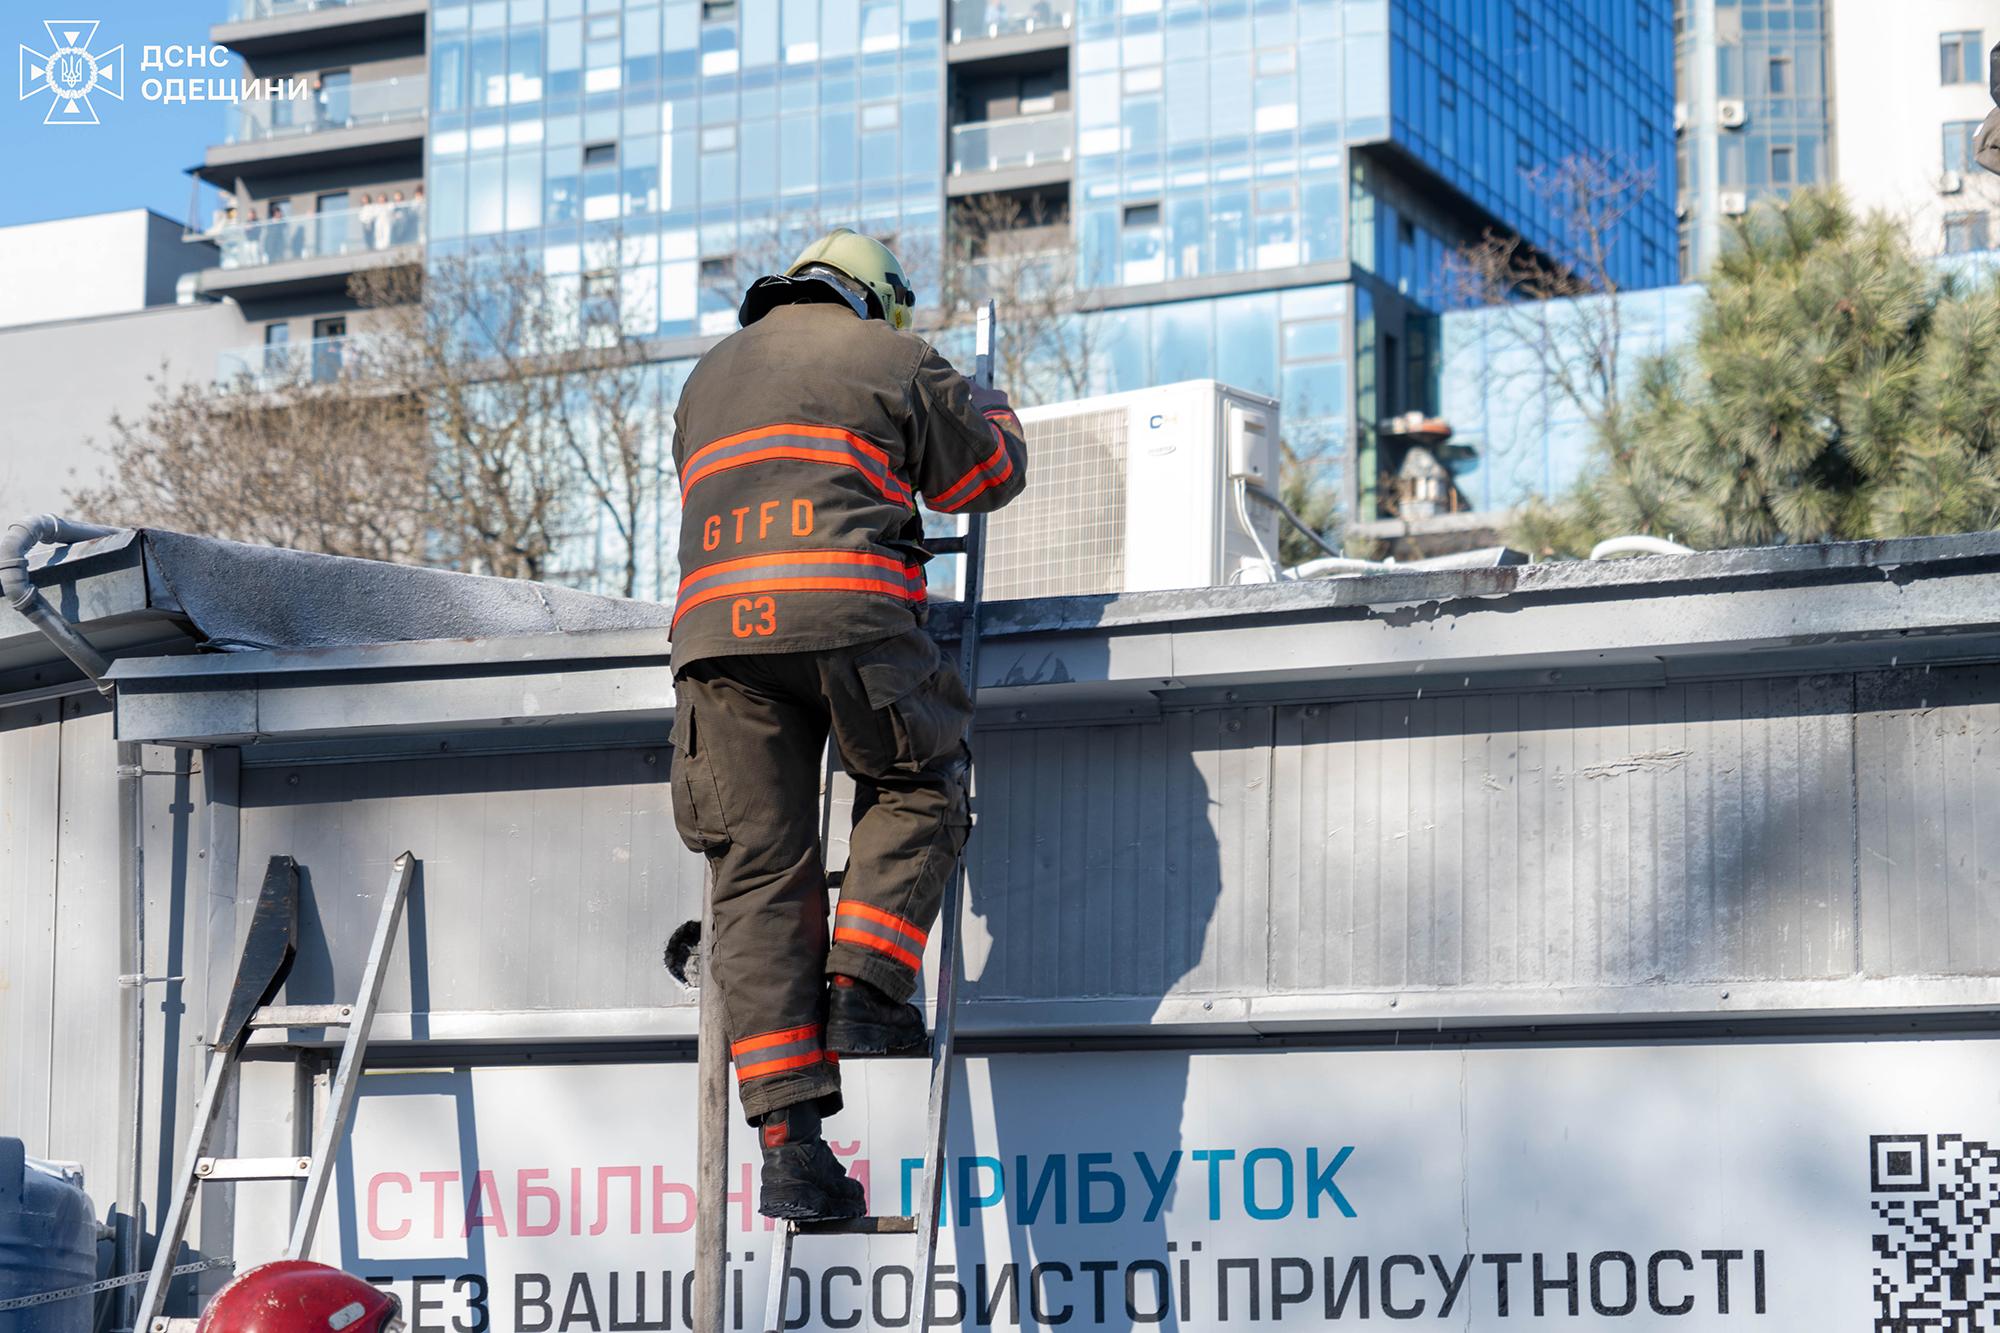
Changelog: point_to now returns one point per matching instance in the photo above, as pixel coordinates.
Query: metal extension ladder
(268, 951)
(712, 1258)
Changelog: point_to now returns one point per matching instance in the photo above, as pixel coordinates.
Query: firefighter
(803, 441)
(295, 1296)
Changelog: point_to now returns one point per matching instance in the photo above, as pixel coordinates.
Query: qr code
(1937, 1256)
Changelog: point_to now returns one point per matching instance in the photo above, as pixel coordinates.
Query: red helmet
(294, 1296)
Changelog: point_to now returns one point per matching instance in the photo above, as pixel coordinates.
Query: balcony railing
(347, 231)
(242, 11)
(332, 108)
(973, 19)
(272, 366)
(1021, 141)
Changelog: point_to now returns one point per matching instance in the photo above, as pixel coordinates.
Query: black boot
(803, 1181)
(861, 1020)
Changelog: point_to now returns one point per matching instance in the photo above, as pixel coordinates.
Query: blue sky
(138, 156)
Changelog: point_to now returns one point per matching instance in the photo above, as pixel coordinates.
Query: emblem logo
(70, 73)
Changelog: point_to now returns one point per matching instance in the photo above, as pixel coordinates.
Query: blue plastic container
(48, 1242)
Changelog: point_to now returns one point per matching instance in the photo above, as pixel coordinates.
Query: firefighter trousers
(749, 733)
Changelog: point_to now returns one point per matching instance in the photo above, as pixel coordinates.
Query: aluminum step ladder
(268, 951)
(712, 1258)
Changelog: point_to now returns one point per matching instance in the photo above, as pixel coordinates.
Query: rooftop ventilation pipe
(21, 592)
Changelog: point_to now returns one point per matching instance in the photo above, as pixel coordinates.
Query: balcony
(269, 367)
(382, 102)
(313, 252)
(258, 28)
(373, 230)
(1011, 154)
(984, 29)
(335, 126)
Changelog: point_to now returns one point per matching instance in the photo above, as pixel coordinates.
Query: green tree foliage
(1838, 387)
(1305, 485)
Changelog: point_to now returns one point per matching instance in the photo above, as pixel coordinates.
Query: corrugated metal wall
(1517, 844)
(1734, 830)
(64, 909)
(549, 880)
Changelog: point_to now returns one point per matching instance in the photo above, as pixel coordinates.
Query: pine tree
(1838, 387)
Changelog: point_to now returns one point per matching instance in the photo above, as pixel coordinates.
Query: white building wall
(62, 383)
(102, 264)
(1891, 106)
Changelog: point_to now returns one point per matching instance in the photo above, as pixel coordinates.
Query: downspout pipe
(21, 593)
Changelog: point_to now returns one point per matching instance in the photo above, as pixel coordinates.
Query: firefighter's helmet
(868, 262)
(294, 1296)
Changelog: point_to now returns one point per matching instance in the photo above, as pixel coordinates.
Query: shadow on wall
(1096, 873)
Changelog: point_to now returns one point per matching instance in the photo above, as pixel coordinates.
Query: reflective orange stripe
(778, 1066)
(878, 944)
(872, 573)
(759, 1042)
(882, 586)
(884, 932)
(889, 919)
(765, 432)
(807, 557)
(787, 1049)
(847, 449)
(995, 468)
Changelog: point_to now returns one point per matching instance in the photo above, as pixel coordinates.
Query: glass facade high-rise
(1753, 111)
(685, 134)
(1262, 191)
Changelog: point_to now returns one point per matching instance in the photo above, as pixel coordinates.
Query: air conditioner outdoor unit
(1734, 203)
(1951, 183)
(1134, 491)
(1683, 206)
(1680, 116)
(1730, 112)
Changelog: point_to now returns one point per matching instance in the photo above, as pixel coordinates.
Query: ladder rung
(303, 1016)
(858, 1226)
(252, 1168)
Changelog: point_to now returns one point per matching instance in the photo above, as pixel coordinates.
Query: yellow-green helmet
(868, 262)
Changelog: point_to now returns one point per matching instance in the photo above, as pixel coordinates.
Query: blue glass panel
(1183, 343)
(1246, 350)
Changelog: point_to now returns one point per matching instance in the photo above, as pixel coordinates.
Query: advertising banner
(1836, 1184)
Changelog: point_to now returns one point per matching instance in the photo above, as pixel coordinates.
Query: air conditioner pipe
(25, 597)
(21, 592)
(1338, 564)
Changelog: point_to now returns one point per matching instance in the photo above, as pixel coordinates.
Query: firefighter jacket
(803, 442)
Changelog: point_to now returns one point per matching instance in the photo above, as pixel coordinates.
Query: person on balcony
(402, 226)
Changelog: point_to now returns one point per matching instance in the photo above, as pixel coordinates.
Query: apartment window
(600, 155)
(1780, 75)
(719, 275)
(1958, 144)
(1959, 56)
(600, 301)
(1781, 165)
(1142, 215)
(277, 347)
(1965, 232)
(717, 11)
